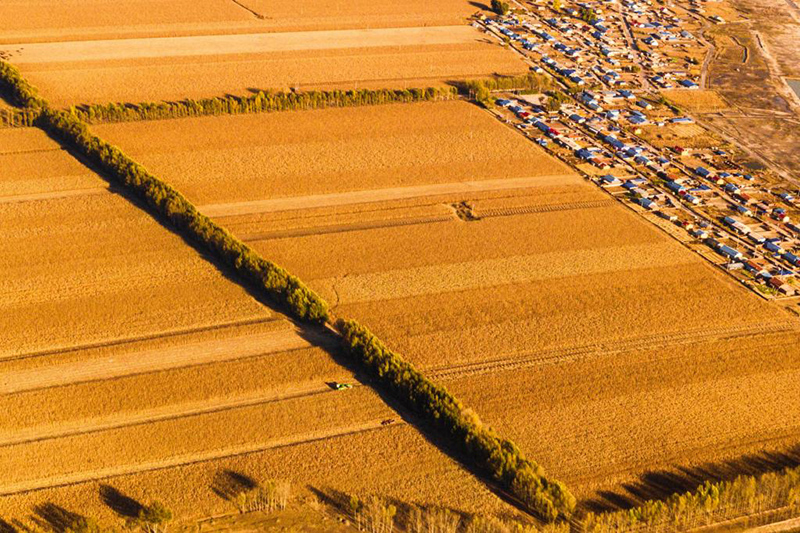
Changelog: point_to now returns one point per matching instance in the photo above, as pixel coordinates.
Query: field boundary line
(149, 361)
(375, 195)
(57, 195)
(547, 208)
(142, 338)
(187, 459)
(344, 228)
(561, 355)
(79, 427)
(31, 150)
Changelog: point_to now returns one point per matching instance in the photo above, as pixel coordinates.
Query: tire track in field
(562, 355)
(37, 197)
(140, 338)
(155, 359)
(547, 208)
(189, 459)
(343, 228)
(78, 427)
(291, 203)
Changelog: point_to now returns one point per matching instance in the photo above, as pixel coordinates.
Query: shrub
(18, 91)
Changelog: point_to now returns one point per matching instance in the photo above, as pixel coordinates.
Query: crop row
(498, 457)
(261, 102)
(709, 503)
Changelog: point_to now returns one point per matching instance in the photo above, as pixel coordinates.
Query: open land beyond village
(399, 266)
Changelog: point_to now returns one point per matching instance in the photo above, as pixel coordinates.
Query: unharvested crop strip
(501, 459)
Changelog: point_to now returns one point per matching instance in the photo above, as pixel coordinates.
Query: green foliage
(500, 7)
(709, 503)
(556, 100)
(499, 458)
(261, 102)
(152, 518)
(587, 14)
(480, 89)
(16, 90)
(81, 524)
(173, 207)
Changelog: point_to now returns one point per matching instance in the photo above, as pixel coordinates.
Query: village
(612, 63)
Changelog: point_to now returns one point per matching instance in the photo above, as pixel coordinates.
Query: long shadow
(55, 518)
(316, 335)
(228, 484)
(6, 527)
(479, 5)
(123, 505)
(660, 484)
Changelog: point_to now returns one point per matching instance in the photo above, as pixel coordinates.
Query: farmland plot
(64, 20)
(134, 70)
(128, 359)
(61, 20)
(519, 284)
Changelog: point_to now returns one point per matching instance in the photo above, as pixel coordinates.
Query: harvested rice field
(173, 68)
(520, 284)
(129, 360)
(66, 20)
(701, 101)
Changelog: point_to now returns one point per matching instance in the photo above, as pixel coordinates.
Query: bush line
(18, 91)
(272, 280)
(499, 458)
(708, 504)
(261, 102)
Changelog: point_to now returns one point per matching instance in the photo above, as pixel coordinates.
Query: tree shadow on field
(123, 505)
(6, 527)
(229, 483)
(660, 484)
(319, 336)
(54, 517)
(479, 5)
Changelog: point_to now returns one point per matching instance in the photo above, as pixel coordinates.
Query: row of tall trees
(708, 504)
(501, 459)
(260, 102)
(167, 203)
(18, 118)
(16, 89)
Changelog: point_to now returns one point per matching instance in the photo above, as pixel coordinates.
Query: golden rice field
(173, 68)
(558, 315)
(129, 359)
(64, 20)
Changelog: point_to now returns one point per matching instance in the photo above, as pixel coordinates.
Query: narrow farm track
(36, 197)
(378, 195)
(169, 412)
(183, 460)
(152, 360)
(132, 340)
(341, 228)
(549, 208)
(563, 355)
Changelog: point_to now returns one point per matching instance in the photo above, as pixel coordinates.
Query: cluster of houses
(595, 46)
